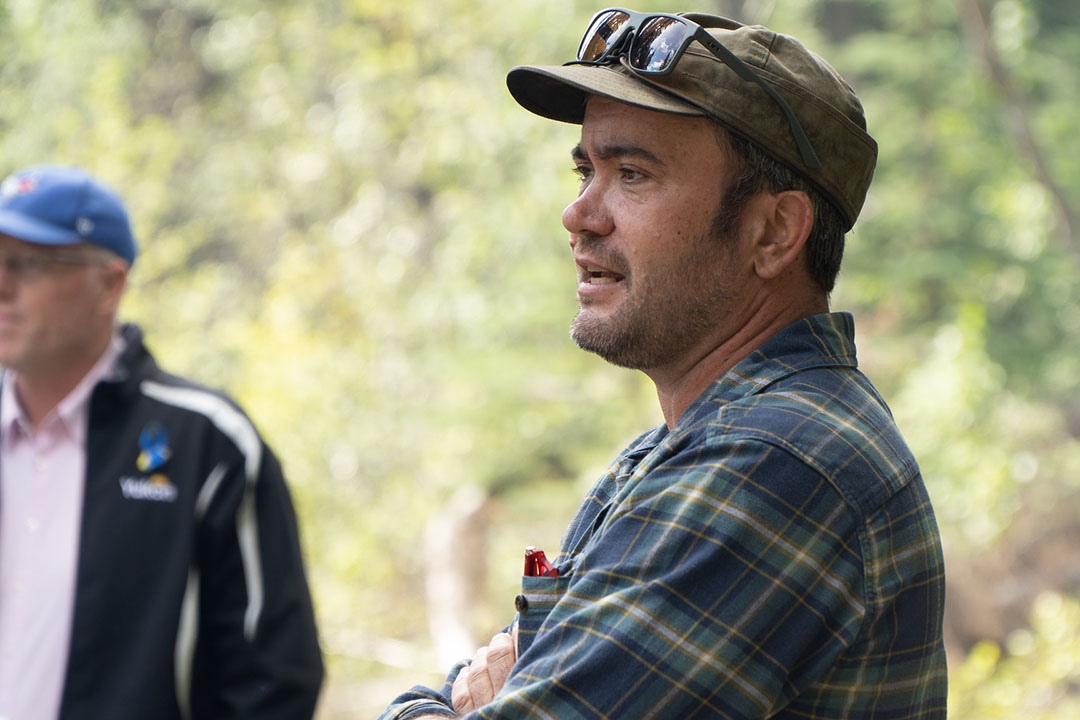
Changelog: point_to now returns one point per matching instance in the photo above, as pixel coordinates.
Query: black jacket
(191, 600)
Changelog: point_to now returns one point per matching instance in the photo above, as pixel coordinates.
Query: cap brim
(560, 92)
(20, 227)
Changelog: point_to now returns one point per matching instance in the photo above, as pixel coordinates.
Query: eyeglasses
(653, 44)
(29, 265)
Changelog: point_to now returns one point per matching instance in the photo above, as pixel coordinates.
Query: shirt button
(521, 603)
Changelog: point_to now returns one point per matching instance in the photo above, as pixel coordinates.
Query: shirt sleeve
(720, 583)
(257, 654)
(422, 701)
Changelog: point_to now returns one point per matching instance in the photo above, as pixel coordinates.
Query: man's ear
(113, 282)
(786, 220)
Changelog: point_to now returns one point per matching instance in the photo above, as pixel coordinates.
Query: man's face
(656, 283)
(55, 303)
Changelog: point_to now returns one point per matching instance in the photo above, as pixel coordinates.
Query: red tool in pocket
(537, 564)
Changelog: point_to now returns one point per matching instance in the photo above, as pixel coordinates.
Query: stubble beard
(664, 315)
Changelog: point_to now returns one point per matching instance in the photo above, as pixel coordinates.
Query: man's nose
(589, 214)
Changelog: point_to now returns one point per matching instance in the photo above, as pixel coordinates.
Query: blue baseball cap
(60, 205)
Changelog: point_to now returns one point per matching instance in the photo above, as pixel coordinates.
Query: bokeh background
(348, 224)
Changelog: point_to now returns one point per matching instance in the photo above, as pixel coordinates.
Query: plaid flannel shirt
(775, 555)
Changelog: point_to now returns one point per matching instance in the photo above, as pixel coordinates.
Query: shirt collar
(70, 410)
(11, 416)
(826, 340)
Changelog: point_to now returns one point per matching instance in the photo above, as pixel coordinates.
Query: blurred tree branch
(975, 19)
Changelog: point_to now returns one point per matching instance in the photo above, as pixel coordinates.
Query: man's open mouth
(599, 276)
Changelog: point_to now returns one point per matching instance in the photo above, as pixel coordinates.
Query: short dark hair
(755, 171)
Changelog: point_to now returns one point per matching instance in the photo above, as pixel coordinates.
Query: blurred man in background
(150, 564)
(770, 551)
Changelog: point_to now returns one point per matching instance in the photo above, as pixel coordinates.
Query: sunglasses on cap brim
(651, 44)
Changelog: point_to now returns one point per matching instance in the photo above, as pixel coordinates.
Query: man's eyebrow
(607, 152)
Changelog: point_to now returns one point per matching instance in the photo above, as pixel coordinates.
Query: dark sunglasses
(653, 43)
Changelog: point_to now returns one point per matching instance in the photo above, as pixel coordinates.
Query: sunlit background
(348, 224)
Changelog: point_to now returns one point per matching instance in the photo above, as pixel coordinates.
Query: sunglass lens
(604, 28)
(658, 43)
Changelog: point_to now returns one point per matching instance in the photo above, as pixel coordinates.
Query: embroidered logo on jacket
(153, 453)
(153, 448)
(156, 488)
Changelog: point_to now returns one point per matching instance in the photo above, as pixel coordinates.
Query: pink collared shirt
(41, 492)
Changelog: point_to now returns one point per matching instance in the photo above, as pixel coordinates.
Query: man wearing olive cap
(770, 551)
(150, 566)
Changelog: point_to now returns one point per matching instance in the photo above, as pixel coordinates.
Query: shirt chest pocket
(539, 595)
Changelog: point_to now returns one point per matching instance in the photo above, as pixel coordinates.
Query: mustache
(602, 253)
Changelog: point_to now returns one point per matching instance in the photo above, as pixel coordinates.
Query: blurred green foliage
(1035, 677)
(348, 224)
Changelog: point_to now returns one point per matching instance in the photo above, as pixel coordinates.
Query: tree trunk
(455, 541)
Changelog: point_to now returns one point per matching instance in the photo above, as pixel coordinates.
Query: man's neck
(677, 387)
(40, 391)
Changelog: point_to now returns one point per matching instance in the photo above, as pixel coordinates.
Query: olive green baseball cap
(702, 85)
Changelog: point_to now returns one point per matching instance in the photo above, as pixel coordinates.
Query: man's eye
(629, 174)
(25, 264)
(584, 172)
